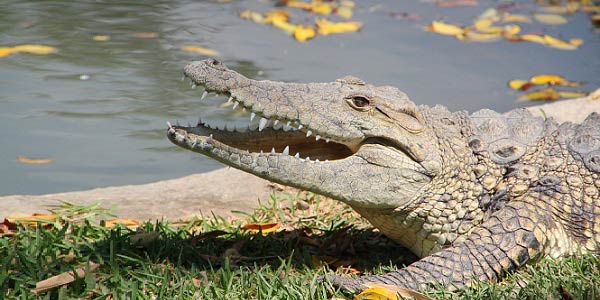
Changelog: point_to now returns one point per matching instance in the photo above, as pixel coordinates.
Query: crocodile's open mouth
(264, 135)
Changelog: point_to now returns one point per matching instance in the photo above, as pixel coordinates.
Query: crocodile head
(365, 145)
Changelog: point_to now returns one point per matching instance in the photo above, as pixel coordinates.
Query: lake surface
(99, 108)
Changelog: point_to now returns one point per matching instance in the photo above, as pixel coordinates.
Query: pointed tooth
(307, 158)
(204, 94)
(288, 123)
(317, 160)
(297, 155)
(308, 133)
(317, 137)
(194, 85)
(327, 160)
(275, 122)
(243, 108)
(262, 124)
(169, 124)
(230, 98)
(183, 77)
(327, 140)
(211, 135)
(235, 105)
(286, 151)
(273, 150)
(286, 128)
(261, 152)
(252, 115)
(300, 126)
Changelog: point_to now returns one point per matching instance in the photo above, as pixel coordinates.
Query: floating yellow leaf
(344, 12)
(533, 38)
(200, 50)
(265, 228)
(558, 43)
(550, 19)
(6, 51)
(379, 291)
(101, 38)
(327, 27)
(448, 3)
(34, 160)
(304, 33)
(591, 8)
(569, 8)
(541, 95)
(285, 26)
(512, 29)
(517, 84)
(550, 79)
(277, 14)
(471, 36)
(572, 94)
(576, 42)
(35, 49)
(144, 35)
(125, 222)
(347, 3)
(321, 8)
(515, 18)
(482, 24)
(253, 16)
(443, 28)
(299, 4)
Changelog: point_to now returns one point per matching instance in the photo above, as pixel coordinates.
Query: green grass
(213, 258)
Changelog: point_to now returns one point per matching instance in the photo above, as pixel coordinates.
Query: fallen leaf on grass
(125, 222)
(265, 228)
(327, 27)
(379, 291)
(64, 278)
(32, 220)
(144, 35)
(550, 19)
(27, 160)
(200, 50)
(446, 29)
(302, 33)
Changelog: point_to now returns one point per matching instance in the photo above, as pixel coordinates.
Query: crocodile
(474, 196)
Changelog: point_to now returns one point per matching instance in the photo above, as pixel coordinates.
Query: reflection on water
(99, 107)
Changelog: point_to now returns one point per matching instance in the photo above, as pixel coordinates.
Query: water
(99, 108)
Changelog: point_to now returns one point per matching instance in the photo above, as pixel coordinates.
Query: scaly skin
(476, 196)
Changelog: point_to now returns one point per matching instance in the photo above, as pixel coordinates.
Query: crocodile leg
(510, 238)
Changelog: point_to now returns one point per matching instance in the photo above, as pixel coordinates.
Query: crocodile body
(475, 196)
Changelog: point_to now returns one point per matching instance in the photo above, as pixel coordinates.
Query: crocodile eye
(359, 103)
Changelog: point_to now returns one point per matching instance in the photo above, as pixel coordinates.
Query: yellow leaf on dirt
(327, 27)
(572, 94)
(144, 35)
(64, 278)
(517, 84)
(533, 38)
(200, 50)
(6, 51)
(101, 38)
(265, 228)
(443, 28)
(277, 14)
(344, 12)
(321, 8)
(35, 49)
(304, 33)
(541, 95)
(253, 16)
(551, 19)
(125, 222)
(385, 291)
(285, 26)
(558, 43)
(26, 160)
(515, 18)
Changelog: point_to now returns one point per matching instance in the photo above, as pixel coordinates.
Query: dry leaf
(321, 8)
(533, 38)
(471, 36)
(35, 49)
(517, 84)
(541, 95)
(299, 4)
(26, 160)
(443, 28)
(200, 50)
(382, 291)
(549, 79)
(559, 44)
(6, 51)
(265, 228)
(515, 18)
(550, 19)
(62, 279)
(125, 222)
(144, 35)
(327, 27)
(101, 38)
(304, 33)
(277, 14)
(285, 26)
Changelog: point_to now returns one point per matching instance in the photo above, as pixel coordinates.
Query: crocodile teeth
(262, 124)
(307, 158)
(297, 155)
(300, 126)
(203, 95)
(252, 115)
(235, 105)
(194, 85)
(273, 150)
(327, 140)
(286, 151)
(230, 98)
(308, 133)
(317, 137)
(275, 122)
